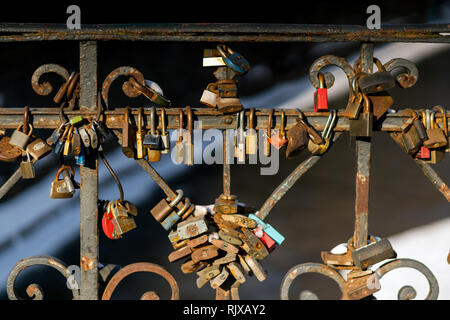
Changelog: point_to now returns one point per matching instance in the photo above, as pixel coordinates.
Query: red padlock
(108, 225)
(321, 95)
(423, 153)
(268, 241)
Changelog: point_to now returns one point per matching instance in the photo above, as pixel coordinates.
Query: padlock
(68, 141)
(239, 220)
(59, 188)
(107, 223)
(236, 271)
(240, 139)
(251, 136)
(180, 253)
(8, 152)
(205, 253)
(192, 243)
(362, 127)
(192, 266)
(255, 267)
(192, 227)
(268, 229)
(63, 89)
(163, 208)
(267, 148)
(444, 125)
(38, 149)
(252, 245)
(85, 139)
(152, 140)
(188, 139)
(93, 137)
(27, 168)
(321, 95)
(76, 142)
(217, 281)
(244, 264)
(409, 137)
(353, 108)
(165, 138)
(230, 236)
(123, 223)
(357, 288)
(179, 148)
(277, 138)
(373, 253)
(80, 158)
(56, 134)
(225, 246)
(319, 149)
(233, 60)
(209, 272)
(376, 82)
(297, 138)
(174, 217)
(209, 96)
(436, 136)
(225, 260)
(140, 135)
(228, 99)
(76, 121)
(128, 136)
(20, 139)
(265, 239)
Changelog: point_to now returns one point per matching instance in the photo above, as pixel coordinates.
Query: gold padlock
(60, 188)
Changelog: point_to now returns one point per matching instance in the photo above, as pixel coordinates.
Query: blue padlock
(233, 59)
(80, 159)
(268, 229)
(174, 217)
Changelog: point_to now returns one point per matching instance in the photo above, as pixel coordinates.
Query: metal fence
(88, 38)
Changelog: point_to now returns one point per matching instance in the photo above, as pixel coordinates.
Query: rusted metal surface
(33, 290)
(12, 32)
(433, 291)
(287, 184)
(89, 252)
(142, 267)
(46, 88)
(126, 87)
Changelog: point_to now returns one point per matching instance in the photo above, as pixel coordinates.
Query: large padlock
(228, 99)
(192, 227)
(297, 138)
(378, 81)
(373, 253)
(163, 208)
(19, 138)
(362, 126)
(60, 188)
(409, 138)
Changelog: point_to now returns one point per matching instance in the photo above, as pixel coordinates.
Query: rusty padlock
(163, 208)
(373, 253)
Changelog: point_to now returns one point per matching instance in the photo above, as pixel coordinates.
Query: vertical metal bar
(363, 146)
(89, 180)
(226, 165)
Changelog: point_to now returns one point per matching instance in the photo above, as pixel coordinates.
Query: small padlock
(27, 168)
(319, 149)
(321, 95)
(373, 253)
(220, 279)
(252, 245)
(163, 208)
(59, 188)
(267, 145)
(20, 139)
(436, 136)
(175, 216)
(228, 99)
(233, 60)
(140, 136)
(444, 125)
(128, 136)
(76, 142)
(297, 138)
(278, 138)
(255, 267)
(179, 148)
(251, 136)
(265, 239)
(123, 223)
(376, 82)
(85, 139)
(209, 96)
(38, 149)
(240, 143)
(165, 138)
(353, 108)
(267, 228)
(68, 141)
(362, 127)
(409, 137)
(56, 134)
(188, 138)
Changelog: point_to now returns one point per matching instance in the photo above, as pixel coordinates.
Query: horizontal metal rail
(11, 32)
(48, 118)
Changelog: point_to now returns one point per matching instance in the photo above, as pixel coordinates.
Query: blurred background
(315, 215)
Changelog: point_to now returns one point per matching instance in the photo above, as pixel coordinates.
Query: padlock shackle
(366, 103)
(163, 121)
(153, 120)
(140, 118)
(29, 127)
(444, 118)
(177, 199)
(64, 167)
(321, 77)
(251, 118)
(330, 124)
(189, 120)
(269, 123)
(185, 207)
(282, 122)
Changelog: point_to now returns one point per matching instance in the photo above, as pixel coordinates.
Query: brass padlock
(152, 141)
(38, 149)
(27, 168)
(128, 136)
(251, 137)
(189, 137)
(319, 149)
(59, 188)
(355, 103)
(436, 136)
(122, 221)
(209, 96)
(357, 288)
(362, 126)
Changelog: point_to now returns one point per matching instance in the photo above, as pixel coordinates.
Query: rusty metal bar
(287, 183)
(213, 32)
(89, 180)
(12, 181)
(48, 118)
(226, 172)
(429, 172)
(363, 154)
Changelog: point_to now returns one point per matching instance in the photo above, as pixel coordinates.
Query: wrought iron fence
(80, 97)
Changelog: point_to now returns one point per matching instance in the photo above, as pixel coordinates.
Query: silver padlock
(209, 96)
(20, 139)
(165, 138)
